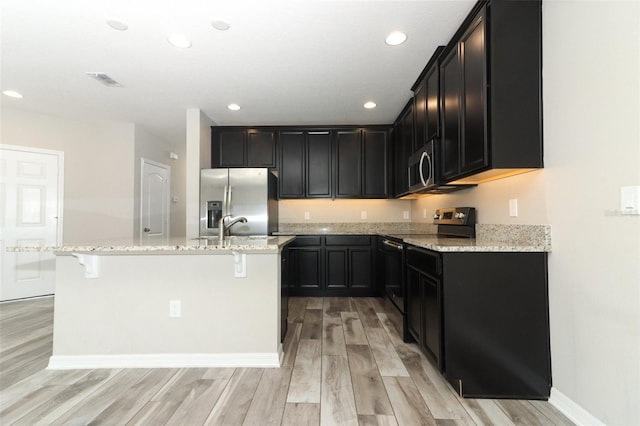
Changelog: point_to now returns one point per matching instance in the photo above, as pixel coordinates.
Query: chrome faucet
(223, 228)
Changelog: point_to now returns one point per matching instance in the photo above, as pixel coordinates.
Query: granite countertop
(489, 238)
(257, 245)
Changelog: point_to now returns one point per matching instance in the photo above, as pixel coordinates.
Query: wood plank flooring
(345, 364)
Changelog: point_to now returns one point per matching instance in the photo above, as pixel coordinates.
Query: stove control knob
(460, 215)
(435, 216)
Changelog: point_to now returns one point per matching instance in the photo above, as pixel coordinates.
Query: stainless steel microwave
(421, 170)
(423, 175)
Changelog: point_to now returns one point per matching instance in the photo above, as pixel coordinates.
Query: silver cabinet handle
(392, 244)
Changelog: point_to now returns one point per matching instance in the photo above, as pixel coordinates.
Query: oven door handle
(392, 244)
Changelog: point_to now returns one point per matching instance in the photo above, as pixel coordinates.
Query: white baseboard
(572, 410)
(257, 360)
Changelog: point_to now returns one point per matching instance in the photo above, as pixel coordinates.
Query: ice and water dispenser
(214, 213)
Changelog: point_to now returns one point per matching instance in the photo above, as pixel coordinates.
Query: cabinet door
(318, 165)
(261, 148)
(375, 163)
(403, 149)
(432, 124)
(360, 268)
(306, 268)
(473, 153)
(348, 164)
(420, 115)
(292, 165)
(229, 148)
(284, 291)
(337, 267)
(432, 318)
(414, 304)
(451, 83)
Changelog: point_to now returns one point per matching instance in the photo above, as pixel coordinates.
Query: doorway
(154, 202)
(31, 194)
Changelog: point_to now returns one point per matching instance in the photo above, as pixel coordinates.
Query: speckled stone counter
(489, 237)
(257, 245)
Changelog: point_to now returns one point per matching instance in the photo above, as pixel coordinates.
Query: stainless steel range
(456, 222)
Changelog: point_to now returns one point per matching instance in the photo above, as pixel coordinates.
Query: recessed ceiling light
(396, 38)
(220, 25)
(117, 24)
(370, 105)
(12, 94)
(233, 107)
(179, 40)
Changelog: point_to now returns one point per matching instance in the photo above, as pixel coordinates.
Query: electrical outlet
(306, 215)
(363, 214)
(175, 309)
(405, 214)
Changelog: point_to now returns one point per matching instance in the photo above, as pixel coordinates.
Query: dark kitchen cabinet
(361, 163)
(426, 95)
(306, 268)
(348, 164)
(403, 148)
(424, 301)
(285, 282)
(242, 147)
(346, 262)
(490, 82)
(305, 164)
(496, 324)
(349, 262)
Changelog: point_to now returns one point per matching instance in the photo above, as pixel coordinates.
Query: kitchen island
(190, 303)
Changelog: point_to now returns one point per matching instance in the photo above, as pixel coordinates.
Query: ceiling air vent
(104, 79)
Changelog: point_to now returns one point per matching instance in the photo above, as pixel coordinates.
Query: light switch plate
(363, 214)
(513, 207)
(630, 200)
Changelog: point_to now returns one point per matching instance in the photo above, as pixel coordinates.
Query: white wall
(157, 149)
(591, 101)
(346, 211)
(198, 153)
(98, 177)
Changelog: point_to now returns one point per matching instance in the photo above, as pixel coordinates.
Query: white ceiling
(294, 62)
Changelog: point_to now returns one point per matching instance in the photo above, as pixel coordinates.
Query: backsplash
(357, 228)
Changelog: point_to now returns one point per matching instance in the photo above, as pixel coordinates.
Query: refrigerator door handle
(225, 202)
(229, 202)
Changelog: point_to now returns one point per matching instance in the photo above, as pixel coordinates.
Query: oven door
(421, 173)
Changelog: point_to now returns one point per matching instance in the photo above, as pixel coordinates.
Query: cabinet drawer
(348, 240)
(425, 261)
(307, 240)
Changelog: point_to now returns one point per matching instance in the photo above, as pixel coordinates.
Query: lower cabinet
(483, 318)
(424, 299)
(332, 265)
(285, 282)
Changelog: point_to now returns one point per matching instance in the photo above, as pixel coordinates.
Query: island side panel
(125, 311)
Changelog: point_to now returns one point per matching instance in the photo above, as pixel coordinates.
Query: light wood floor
(345, 363)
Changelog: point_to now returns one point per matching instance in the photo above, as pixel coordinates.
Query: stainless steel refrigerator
(248, 192)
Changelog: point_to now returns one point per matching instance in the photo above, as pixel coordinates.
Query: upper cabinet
(403, 147)
(361, 163)
(426, 96)
(490, 84)
(305, 164)
(242, 147)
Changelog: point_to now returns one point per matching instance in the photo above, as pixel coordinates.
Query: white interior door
(154, 202)
(30, 215)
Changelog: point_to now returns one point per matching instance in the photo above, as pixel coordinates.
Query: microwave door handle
(424, 154)
(431, 177)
